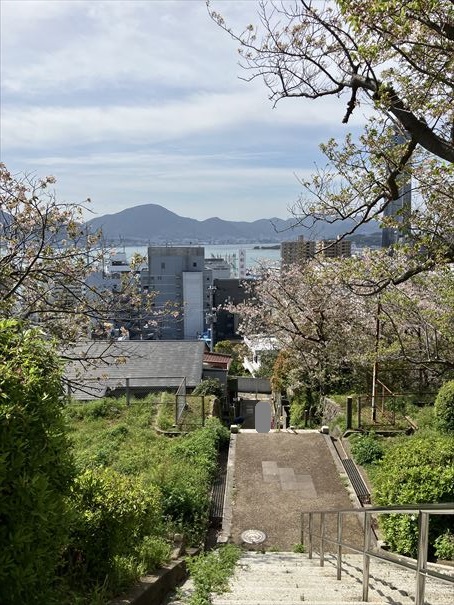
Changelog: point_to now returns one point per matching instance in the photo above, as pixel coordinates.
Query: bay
(230, 252)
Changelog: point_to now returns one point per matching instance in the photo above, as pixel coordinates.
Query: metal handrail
(368, 551)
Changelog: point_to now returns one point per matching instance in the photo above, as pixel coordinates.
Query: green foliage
(444, 546)
(113, 514)
(366, 449)
(267, 361)
(122, 437)
(415, 470)
(444, 407)
(211, 571)
(210, 386)
(299, 548)
(237, 351)
(35, 466)
(184, 470)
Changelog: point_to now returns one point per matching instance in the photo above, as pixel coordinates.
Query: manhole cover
(253, 536)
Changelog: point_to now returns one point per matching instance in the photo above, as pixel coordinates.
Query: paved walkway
(279, 474)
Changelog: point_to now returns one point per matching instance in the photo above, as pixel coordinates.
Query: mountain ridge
(152, 223)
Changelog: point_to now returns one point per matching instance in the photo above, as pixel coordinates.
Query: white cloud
(190, 185)
(102, 90)
(172, 120)
(160, 43)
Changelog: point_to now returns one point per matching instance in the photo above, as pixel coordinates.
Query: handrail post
(339, 545)
(311, 527)
(366, 557)
(421, 563)
(322, 541)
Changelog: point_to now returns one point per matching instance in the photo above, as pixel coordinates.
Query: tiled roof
(102, 365)
(217, 359)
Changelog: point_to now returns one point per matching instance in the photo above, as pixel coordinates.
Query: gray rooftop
(98, 366)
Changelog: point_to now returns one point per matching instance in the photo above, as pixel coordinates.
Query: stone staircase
(288, 578)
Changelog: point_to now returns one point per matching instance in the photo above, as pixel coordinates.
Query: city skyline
(130, 103)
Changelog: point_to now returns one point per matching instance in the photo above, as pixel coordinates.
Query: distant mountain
(151, 223)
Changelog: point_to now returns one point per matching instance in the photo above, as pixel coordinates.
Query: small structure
(258, 345)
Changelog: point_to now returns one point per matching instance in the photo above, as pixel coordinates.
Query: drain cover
(253, 536)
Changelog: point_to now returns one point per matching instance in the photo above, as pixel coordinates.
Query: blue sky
(141, 102)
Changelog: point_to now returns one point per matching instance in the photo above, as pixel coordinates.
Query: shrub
(35, 465)
(444, 546)
(366, 449)
(210, 386)
(444, 407)
(113, 514)
(416, 470)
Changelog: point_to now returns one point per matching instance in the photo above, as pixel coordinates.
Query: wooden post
(359, 412)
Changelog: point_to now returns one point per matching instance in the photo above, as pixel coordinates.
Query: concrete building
(181, 283)
(300, 250)
(332, 248)
(297, 251)
(398, 209)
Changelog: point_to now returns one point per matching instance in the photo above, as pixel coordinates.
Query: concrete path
(276, 476)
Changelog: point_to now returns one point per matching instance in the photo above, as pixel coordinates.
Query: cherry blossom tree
(315, 318)
(331, 335)
(396, 60)
(46, 260)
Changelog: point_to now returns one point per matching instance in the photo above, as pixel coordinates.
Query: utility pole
(211, 316)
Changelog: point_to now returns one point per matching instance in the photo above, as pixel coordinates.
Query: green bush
(113, 515)
(416, 470)
(444, 546)
(444, 407)
(366, 449)
(210, 386)
(35, 466)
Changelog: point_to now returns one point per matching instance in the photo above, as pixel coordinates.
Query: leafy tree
(315, 319)
(396, 58)
(237, 350)
(36, 469)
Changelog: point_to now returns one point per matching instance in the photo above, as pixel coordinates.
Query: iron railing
(369, 549)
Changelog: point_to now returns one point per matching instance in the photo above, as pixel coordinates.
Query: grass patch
(211, 571)
(127, 472)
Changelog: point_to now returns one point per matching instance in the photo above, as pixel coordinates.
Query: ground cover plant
(211, 571)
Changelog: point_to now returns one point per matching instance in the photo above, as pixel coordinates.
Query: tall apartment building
(297, 251)
(177, 274)
(301, 249)
(400, 208)
(333, 248)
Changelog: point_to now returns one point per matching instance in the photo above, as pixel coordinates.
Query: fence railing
(369, 550)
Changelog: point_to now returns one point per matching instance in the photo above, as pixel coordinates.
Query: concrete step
(291, 579)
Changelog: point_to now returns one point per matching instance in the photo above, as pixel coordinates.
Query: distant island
(273, 247)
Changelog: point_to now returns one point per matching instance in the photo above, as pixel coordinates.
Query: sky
(135, 102)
